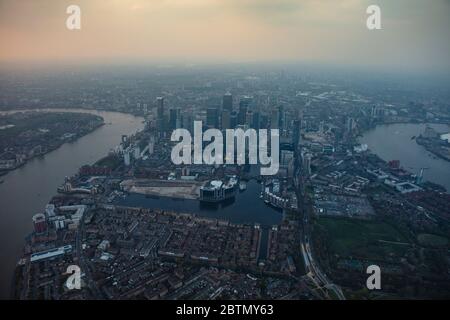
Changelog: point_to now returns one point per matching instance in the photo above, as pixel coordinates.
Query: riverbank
(393, 142)
(36, 183)
(51, 149)
(31, 134)
(433, 146)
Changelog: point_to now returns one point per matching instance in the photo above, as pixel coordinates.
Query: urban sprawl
(341, 207)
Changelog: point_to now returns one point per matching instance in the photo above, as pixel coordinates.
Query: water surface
(393, 142)
(28, 189)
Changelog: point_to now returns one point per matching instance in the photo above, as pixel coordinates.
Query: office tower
(185, 171)
(137, 153)
(296, 132)
(174, 115)
(126, 158)
(187, 121)
(256, 121)
(350, 126)
(281, 118)
(179, 120)
(373, 111)
(160, 121)
(241, 115)
(287, 161)
(160, 108)
(226, 119)
(212, 117)
(275, 119)
(286, 157)
(249, 118)
(376, 112)
(151, 146)
(39, 223)
(244, 104)
(227, 102)
(264, 121)
(306, 163)
(233, 120)
(67, 186)
(322, 127)
(50, 210)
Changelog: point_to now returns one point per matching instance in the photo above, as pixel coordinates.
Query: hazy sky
(415, 34)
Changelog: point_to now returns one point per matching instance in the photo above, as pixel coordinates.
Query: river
(27, 190)
(394, 141)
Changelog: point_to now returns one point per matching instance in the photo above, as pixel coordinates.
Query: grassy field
(363, 239)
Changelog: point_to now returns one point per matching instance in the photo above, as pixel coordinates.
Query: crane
(419, 177)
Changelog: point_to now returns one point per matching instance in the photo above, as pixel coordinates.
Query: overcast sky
(415, 33)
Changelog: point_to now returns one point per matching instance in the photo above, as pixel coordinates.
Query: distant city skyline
(414, 33)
